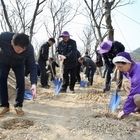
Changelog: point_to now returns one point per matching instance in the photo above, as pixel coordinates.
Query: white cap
(120, 59)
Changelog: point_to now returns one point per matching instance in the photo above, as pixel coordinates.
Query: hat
(65, 33)
(105, 47)
(123, 57)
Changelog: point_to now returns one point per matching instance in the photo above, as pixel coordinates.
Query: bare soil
(84, 115)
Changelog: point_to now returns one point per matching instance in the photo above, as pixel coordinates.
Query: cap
(123, 57)
(65, 33)
(105, 46)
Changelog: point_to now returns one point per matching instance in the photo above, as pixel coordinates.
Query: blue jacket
(69, 50)
(134, 78)
(11, 59)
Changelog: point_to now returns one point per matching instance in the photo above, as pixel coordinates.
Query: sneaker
(63, 90)
(47, 87)
(19, 111)
(106, 89)
(72, 91)
(4, 110)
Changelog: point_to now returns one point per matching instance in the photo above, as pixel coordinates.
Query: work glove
(33, 89)
(61, 57)
(48, 62)
(121, 115)
(86, 78)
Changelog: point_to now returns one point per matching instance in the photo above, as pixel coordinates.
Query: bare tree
(96, 11)
(61, 14)
(19, 16)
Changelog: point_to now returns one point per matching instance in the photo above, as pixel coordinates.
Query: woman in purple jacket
(130, 70)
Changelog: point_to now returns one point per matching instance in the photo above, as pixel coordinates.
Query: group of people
(16, 50)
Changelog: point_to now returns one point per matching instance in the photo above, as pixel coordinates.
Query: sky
(127, 25)
(125, 22)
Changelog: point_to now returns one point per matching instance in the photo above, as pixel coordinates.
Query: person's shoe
(72, 91)
(63, 90)
(106, 89)
(19, 111)
(47, 87)
(4, 110)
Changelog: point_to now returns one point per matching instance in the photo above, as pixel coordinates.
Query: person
(68, 48)
(43, 62)
(14, 49)
(130, 70)
(90, 68)
(99, 62)
(78, 77)
(108, 50)
(87, 55)
(52, 67)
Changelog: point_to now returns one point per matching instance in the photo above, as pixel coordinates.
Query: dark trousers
(91, 75)
(78, 77)
(108, 77)
(44, 76)
(69, 80)
(20, 87)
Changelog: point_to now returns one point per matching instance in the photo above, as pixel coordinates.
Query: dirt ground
(83, 115)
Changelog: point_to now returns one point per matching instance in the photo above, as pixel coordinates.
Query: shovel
(114, 101)
(83, 82)
(59, 80)
(115, 98)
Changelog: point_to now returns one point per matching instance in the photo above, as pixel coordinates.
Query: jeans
(91, 75)
(20, 85)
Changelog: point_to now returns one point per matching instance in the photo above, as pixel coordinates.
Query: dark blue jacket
(115, 49)
(44, 52)
(69, 50)
(11, 59)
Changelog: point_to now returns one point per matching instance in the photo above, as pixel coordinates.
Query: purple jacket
(134, 77)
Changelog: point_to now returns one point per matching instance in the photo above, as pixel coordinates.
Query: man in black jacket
(109, 49)
(42, 60)
(68, 48)
(14, 49)
(90, 68)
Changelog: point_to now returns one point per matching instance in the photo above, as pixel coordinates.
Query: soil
(83, 115)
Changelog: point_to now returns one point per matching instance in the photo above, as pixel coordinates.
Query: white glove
(47, 62)
(33, 89)
(61, 57)
(112, 75)
(121, 115)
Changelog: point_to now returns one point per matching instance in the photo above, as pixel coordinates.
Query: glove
(33, 89)
(48, 62)
(61, 57)
(112, 75)
(121, 115)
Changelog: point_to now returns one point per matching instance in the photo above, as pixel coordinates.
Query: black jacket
(44, 52)
(69, 50)
(115, 49)
(11, 59)
(89, 64)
